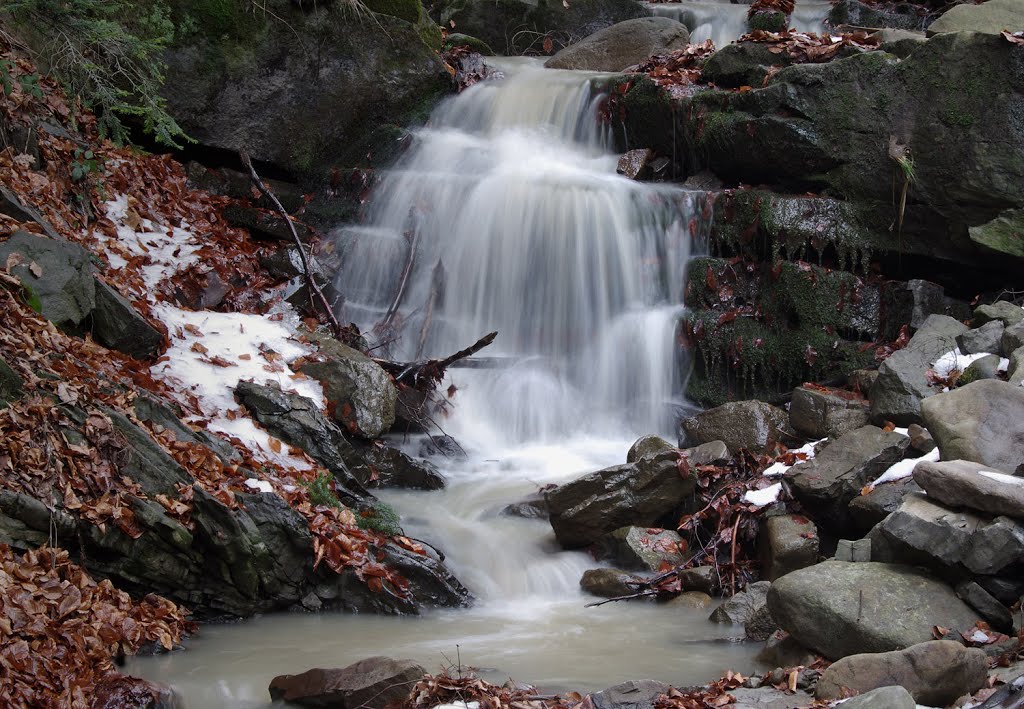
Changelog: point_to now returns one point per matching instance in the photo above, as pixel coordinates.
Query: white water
(725, 22)
(513, 188)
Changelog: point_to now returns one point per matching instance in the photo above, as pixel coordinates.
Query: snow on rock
(956, 360)
(1002, 477)
(808, 449)
(761, 498)
(211, 352)
(261, 485)
(903, 469)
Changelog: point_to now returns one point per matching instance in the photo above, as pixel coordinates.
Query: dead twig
(627, 597)
(316, 294)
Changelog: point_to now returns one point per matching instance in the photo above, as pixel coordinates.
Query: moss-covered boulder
(1004, 234)
(899, 15)
(516, 27)
(310, 89)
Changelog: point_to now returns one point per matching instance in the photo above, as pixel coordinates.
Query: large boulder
(647, 445)
(372, 683)
(607, 583)
(741, 608)
(632, 694)
(622, 45)
(982, 422)
(118, 325)
(517, 26)
(868, 510)
(991, 17)
(818, 412)
(892, 697)
(903, 382)
(638, 493)
(1002, 310)
(788, 543)
(360, 394)
(926, 533)
(296, 66)
(751, 425)
(57, 276)
(961, 483)
(840, 608)
(936, 673)
(987, 338)
(641, 548)
(826, 484)
(1003, 234)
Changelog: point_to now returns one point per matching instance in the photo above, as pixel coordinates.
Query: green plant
(29, 82)
(108, 52)
(383, 518)
(320, 492)
(84, 165)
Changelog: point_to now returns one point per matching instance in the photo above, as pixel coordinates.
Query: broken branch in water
(627, 597)
(431, 371)
(315, 294)
(403, 281)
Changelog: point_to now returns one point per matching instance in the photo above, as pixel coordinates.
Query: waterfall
(512, 191)
(723, 22)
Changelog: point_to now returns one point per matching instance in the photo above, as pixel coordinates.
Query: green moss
(769, 21)
(457, 39)
(382, 517)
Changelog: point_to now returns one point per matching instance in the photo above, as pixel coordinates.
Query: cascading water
(513, 192)
(723, 22)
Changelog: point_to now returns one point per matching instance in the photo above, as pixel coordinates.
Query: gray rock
(607, 583)
(982, 422)
(961, 483)
(1013, 339)
(533, 506)
(862, 379)
(384, 466)
(788, 542)
(741, 64)
(868, 510)
(622, 45)
(372, 683)
(647, 445)
(992, 17)
(692, 600)
(699, 578)
(713, 453)
(1002, 235)
(926, 533)
(639, 493)
(741, 424)
(1005, 312)
(841, 609)
(826, 484)
(769, 698)
(761, 625)
(882, 698)
(997, 615)
(913, 302)
(920, 439)
(782, 650)
(854, 550)
(861, 14)
(118, 325)
(739, 609)
(987, 338)
(641, 548)
(360, 394)
(818, 414)
(1015, 372)
(935, 673)
(298, 422)
(986, 367)
(902, 382)
(635, 164)
(65, 286)
(633, 694)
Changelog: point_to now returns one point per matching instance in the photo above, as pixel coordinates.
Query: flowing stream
(723, 22)
(512, 193)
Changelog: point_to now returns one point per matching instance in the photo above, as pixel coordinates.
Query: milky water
(725, 22)
(512, 192)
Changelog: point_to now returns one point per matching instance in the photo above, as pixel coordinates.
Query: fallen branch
(431, 371)
(315, 294)
(435, 299)
(403, 282)
(627, 597)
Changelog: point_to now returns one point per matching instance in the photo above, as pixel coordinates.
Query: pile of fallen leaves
(60, 630)
(680, 68)
(810, 48)
(760, 6)
(466, 65)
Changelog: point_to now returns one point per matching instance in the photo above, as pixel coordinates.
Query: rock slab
(371, 683)
(961, 483)
(622, 45)
(739, 424)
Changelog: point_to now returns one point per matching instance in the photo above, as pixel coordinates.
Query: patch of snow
(902, 431)
(458, 705)
(261, 485)
(1004, 364)
(778, 468)
(904, 468)
(1002, 477)
(979, 636)
(201, 342)
(764, 497)
(955, 360)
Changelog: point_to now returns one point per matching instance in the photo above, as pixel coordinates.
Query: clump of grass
(320, 492)
(383, 518)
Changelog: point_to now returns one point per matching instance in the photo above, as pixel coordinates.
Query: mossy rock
(902, 16)
(1004, 234)
(408, 10)
(768, 21)
(457, 39)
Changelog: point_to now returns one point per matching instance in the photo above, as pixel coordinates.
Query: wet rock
(607, 583)
(992, 18)
(149, 407)
(839, 609)
(961, 483)
(752, 425)
(987, 338)
(647, 445)
(713, 453)
(635, 164)
(882, 698)
(742, 64)
(822, 414)
(534, 506)
(633, 694)
(981, 422)
(936, 673)
(57, 274)
(826, 484)
(1005, 312)
(118, 325)
(868, 510)
(911, 303)
(739, 609)
(761, 625)
(641, 548)
(692, 600)
(902, 382)
(117, 691)
(384, 466)
(267, 224)
(782, 650)
(920, 440)
(236, 184)
(995, 613)
(622, 45)
(769, 698)
(374, 683)
(457, 39)
(861, 14)
(583, 510)
(788, 542)
(699, 578)
(862, 379)
(924, 532)
(441, 446)
(986, 367)
(490, 23)
(360, 394)
(298, 422)
(1013, 339)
